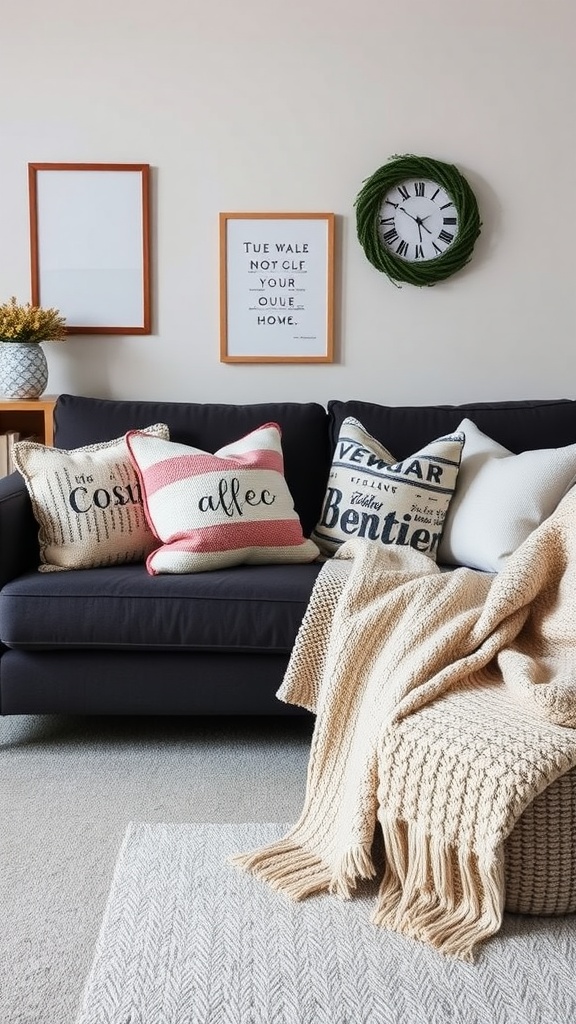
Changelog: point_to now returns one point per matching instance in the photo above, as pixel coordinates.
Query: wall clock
(417, 220)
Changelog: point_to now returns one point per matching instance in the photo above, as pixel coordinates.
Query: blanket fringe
(288, 867)
(418, 868)
(355, 864)
(295, 871)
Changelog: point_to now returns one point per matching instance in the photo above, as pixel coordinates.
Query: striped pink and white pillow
(212, 511)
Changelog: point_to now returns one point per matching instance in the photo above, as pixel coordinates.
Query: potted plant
(23, 366)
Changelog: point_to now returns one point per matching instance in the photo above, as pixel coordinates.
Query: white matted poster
(276, 287)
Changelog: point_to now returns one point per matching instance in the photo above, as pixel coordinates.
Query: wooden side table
(29, 416)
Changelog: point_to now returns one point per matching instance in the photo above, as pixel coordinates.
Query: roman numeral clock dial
(417, 220)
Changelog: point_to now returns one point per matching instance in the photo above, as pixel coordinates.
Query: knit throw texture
(445, 703)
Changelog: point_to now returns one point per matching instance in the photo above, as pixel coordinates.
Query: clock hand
(419, 220)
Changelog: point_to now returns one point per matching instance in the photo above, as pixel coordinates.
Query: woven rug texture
(188, 939)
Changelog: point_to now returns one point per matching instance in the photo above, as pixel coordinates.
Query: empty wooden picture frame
(276, 287)
(90, 245)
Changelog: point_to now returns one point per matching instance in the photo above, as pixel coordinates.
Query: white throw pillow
(216, 510)
(371, 495)
(501, 498)
(87, 503)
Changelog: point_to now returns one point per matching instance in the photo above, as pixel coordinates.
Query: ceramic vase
(23, 369)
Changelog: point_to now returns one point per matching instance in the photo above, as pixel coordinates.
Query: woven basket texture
(540, 853)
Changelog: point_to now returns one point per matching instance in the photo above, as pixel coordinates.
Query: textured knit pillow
(501, 498)
(371, 495)
(87, 503)
(222, 509)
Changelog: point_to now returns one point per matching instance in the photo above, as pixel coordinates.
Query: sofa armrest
(19, 549)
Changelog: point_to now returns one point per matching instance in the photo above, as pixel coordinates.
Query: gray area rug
(189, 939)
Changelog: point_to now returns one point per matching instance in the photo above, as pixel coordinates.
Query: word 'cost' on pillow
(87, 503)
(501, 499)
(212, 510)
(371, 495)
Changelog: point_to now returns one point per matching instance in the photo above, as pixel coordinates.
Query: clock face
(417, 220)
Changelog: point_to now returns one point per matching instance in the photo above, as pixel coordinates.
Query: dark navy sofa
(119, 641)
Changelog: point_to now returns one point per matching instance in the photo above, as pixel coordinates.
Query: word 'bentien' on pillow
(221, 509)
(87, 503)
(501, 498)
(371, 495)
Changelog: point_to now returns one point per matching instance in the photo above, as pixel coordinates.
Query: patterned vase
(23, 369)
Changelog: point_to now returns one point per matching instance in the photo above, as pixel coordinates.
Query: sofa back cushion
(519, 426)
(502, 494)
(79, 420)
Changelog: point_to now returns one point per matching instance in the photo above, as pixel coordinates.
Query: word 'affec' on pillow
(87, 503)
(222, 509)
(371, 495)
(501, 498)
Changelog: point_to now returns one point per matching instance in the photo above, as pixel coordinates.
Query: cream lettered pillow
(371, 495)
(501, 498)
(216, 510)
(87, 503)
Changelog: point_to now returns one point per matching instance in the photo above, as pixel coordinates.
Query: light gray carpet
(69, 788)
(188, 939)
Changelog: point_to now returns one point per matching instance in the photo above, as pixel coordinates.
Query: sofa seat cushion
(518, 425)
(246, 608)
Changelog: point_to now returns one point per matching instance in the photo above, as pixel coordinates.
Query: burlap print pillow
(213, 510)
(87, 503)
(371, 495)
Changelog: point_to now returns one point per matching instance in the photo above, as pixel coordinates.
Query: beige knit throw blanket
(445, 702)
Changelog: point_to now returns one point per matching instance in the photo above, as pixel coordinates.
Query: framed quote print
(90, 245)
(276, 287)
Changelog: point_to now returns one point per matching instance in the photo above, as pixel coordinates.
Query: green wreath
(368, 205)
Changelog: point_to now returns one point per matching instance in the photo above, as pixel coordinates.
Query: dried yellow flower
(30, 323)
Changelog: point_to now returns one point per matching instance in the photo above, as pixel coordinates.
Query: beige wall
(269, 105)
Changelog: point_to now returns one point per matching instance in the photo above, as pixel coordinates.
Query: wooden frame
(90, 245)
(277, 287)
